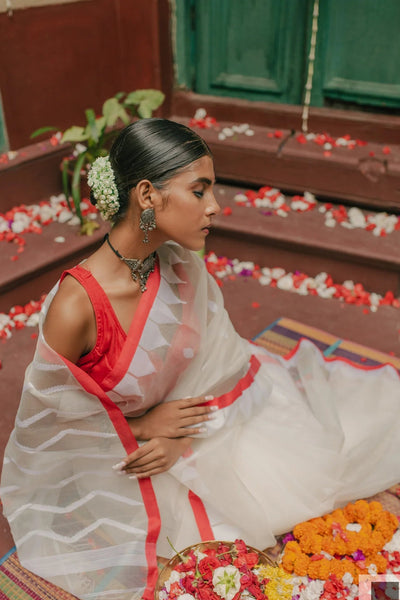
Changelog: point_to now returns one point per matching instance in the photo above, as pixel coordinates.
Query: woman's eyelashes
(199, 194)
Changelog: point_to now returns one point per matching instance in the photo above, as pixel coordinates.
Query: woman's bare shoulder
(70, 323)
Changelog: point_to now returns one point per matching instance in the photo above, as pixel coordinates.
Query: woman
(146, 417)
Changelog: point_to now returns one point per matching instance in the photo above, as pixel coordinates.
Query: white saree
(291, 440)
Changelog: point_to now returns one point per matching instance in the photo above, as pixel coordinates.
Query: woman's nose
(213, 207)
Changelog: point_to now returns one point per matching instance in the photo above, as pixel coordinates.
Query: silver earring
(147, 223)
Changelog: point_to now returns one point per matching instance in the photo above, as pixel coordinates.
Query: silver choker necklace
(140, 269)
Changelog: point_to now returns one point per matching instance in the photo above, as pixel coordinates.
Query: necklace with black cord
(140, 269)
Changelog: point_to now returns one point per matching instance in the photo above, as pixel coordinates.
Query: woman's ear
(145, 194)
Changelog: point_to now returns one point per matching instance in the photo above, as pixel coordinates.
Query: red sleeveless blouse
(110, 334)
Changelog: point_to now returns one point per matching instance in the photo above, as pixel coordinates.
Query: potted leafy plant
(94, 139)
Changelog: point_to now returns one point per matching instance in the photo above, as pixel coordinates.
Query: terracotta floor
(379, 330)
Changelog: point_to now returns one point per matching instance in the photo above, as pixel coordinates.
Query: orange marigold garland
(348, 540)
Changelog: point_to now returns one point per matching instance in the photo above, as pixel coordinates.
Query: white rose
(313, 590)
(226, 581)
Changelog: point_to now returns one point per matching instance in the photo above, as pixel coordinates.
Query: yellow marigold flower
(301, 564)
(340, 546)
(303, 529)
(287, 561)
(380, 562)
(311, 544)
(349, 512)
(345, 566)
(320, 569)
(361, 510)
(352, 569)
(352, 543)
(386, 524)
(293, 546)
(375, 509)
(330, 534)
(328, 545)
(338, 516)
(378, 539)
(319, 525)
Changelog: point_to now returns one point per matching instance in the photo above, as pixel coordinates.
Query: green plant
(94, 139)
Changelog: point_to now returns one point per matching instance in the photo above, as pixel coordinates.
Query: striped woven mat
(16, 583)
(282, 337)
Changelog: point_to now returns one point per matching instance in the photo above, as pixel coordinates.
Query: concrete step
(38, 268)
(32, 173)
(367, 175)
(302, 242)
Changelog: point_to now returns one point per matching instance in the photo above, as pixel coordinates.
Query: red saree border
(201, 517)
(135, 330)
(198, 508)
(243, 384)
(146, 487)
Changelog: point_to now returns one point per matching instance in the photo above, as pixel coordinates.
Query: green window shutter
(258, 50)
(358, 53)
(183, 23)
(252, 49)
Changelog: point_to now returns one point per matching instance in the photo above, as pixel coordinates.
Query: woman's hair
(153, 149)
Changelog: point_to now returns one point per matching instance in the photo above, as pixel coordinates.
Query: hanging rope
(311, 60)
(9, 8)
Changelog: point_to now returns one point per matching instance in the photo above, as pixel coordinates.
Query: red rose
(188, 565)
(187, 583)
(250, 560)
(245, 581)
(175, 590)
(205, 592)
(223, 549)
(240, 547)
(256, 592)
(206, 567)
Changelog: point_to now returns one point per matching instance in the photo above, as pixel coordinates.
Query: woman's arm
(70, 326)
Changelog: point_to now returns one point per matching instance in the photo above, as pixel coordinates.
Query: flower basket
(213, 545)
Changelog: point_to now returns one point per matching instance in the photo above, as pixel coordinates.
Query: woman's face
(186, 214)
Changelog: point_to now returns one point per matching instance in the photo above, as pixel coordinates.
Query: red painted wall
(57, 60)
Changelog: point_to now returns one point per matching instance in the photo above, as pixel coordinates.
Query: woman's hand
(173, 419)
(156, 456)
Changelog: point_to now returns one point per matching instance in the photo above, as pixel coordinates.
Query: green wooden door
(258, 50)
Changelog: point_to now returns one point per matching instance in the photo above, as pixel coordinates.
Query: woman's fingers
(149, 473)
(194, 402)
(189, 431)
(155, 462)
(138, 455)
(155, 456)
(201, 411)
(193, 421)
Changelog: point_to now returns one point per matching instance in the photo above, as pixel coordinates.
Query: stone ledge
(373, 127)
(352, 176)
(302, 242)
(41, 264)
(34, 174)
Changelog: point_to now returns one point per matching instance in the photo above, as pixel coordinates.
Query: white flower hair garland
(102, 182)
